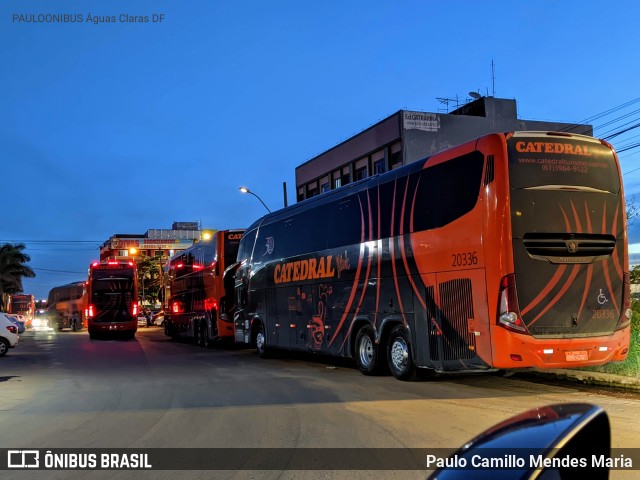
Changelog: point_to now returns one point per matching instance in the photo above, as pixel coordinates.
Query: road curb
(591, 378)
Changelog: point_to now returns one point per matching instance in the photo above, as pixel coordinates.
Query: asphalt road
(63, 390)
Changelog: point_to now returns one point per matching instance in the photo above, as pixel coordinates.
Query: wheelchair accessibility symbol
(602, 299)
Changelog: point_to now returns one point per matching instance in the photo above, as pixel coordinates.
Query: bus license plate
(577, 356)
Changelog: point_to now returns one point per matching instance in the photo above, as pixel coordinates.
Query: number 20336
(464, 259)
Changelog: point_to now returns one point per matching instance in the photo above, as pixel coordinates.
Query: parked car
(8, 334)
(18, 321)
(142, 321)
(157, 318)
(553, 442)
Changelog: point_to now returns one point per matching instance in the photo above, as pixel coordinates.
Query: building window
(396, 155)
(324, 187)
(337, 183)
(361, 173)
(396, 158)
(378, 167)
(123, 253)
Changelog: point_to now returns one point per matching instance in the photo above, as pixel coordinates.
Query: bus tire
(260, 341)
(205, 341)
(399, 354)
(4, 347)
(366, 351)
(197, 333)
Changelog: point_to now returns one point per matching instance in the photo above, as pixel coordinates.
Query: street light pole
(246, 190)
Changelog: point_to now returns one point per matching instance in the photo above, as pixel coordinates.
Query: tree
(148, 278)
(12, 270)
(633, 211)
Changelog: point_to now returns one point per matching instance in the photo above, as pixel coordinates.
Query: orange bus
(112, 298)
(66, 305)
(505, 252)
(198, 303)
(23, 304)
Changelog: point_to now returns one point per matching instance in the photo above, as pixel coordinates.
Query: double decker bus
(505, 252)
(23, 304)
(198, 302)
(66, 305)
(112, 298)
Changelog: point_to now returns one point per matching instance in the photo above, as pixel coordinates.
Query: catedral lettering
(553, 147)
(365, 271)
(302, 270)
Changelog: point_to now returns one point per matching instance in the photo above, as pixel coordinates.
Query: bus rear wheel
(197, 333)
(367, 352)
(205, 340)
(399, 354)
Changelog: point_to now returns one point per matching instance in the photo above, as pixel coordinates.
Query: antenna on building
(493, 78)
(447, 101)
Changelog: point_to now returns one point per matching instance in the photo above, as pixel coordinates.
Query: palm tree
(12, 270)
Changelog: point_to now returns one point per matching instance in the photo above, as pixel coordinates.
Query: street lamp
(246, 190)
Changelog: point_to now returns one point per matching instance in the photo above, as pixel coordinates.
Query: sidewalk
(591, 378)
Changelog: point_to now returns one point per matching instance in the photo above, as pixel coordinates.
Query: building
(407, 136)
(161, 243)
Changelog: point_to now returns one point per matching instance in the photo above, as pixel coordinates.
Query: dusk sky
(122, 127)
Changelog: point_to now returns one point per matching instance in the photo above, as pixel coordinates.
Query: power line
(57, 271)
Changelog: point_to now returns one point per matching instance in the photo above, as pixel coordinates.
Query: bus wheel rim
(365, 351)
(399, 354)
(260, 341)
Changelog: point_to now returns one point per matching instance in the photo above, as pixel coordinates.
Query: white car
(19, 321)
(8, 334)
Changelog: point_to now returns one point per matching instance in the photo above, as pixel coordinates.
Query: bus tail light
(134, 309)
(90, 312)
(176, 307)
(627, 312)
(508, 309)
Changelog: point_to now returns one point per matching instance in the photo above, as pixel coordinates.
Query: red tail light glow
(134, 309)
(176, 307)
(91, 312)
(508, 308)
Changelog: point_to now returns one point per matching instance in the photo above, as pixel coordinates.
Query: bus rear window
(559, 161)
(99, 274)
